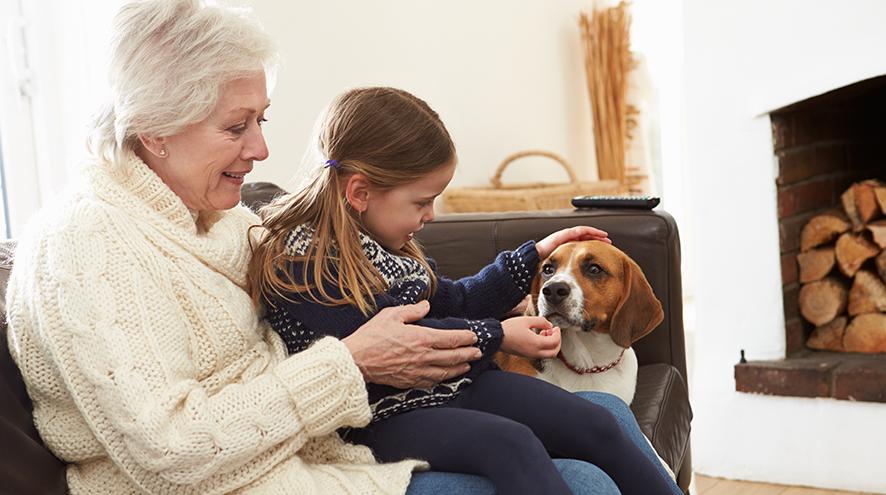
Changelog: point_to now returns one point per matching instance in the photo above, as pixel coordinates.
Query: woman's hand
(388, 351)
(547, 245)
(521, 339)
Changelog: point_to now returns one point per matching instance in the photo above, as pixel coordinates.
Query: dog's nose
(555, 293)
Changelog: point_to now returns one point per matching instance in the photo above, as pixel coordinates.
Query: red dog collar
(592, 369)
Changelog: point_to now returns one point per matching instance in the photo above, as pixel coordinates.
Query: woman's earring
(163, 152)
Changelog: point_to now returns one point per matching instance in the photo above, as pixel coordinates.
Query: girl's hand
(521, 339)
(547, 245)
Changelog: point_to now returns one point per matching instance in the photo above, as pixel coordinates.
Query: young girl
(341, 249)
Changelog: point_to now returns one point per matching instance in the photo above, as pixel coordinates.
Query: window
(18, 175)
(4, 217)
(52, 78)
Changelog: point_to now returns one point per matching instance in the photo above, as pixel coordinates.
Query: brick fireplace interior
(822, 145)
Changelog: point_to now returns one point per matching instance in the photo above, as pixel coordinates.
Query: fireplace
(822, 145)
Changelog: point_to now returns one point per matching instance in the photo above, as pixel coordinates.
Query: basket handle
(496, 179)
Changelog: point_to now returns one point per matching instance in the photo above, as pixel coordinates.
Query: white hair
(169, 62)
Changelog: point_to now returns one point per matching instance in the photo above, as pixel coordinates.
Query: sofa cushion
(28, 467)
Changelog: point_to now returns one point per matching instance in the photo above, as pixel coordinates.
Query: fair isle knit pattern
(148, 367)
(416, 398)
(405, 277)
(488, 296)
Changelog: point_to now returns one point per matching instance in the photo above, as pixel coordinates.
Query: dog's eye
(547, 270)
(595, 269)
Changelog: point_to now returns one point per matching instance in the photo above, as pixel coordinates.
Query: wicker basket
(525, 197)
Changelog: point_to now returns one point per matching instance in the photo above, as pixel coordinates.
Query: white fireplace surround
(744, 59)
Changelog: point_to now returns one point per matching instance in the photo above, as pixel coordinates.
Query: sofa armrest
(28, 466)
(661, 406)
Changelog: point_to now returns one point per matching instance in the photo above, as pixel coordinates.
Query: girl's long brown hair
(389, 136)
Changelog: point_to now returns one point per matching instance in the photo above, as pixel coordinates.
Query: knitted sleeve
(121, 337)
(489, 331)
(492, 292)
(301, 323)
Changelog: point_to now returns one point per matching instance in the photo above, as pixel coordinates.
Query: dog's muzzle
(561, 302)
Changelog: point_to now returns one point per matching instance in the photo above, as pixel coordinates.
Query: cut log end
(866, 200)
(861, 203)
(878, 232)
(868, 294)
(852, 251)
(880, 194)
(815, 264)
(822, 229)
(828, 337)
(823, 300)
(866, 333)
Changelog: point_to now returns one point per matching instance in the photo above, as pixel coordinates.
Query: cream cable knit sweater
(149, 369)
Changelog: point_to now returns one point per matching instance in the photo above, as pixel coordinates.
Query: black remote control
(636, 202)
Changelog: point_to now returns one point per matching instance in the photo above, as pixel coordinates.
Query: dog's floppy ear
(638, 311)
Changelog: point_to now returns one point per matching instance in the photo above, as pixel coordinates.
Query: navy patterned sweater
(475, 303)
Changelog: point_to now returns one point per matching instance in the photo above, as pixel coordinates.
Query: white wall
(504, 76)
(742, 59)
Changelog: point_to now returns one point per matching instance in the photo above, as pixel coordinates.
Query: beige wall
(504, 75)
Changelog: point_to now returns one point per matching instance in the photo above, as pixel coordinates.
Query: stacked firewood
(842, 269)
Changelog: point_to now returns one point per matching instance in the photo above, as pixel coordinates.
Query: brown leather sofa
(461, 245)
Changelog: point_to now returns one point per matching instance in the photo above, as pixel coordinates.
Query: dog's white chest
(587, 350)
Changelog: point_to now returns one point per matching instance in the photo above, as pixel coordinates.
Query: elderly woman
(147, 363)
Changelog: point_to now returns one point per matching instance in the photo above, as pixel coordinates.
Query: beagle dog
(602, 302)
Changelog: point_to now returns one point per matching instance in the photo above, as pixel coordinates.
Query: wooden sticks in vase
(605, 38)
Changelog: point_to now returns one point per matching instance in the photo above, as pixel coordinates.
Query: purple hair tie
(332, 163)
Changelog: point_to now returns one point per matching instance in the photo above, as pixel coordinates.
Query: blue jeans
(582, 477)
